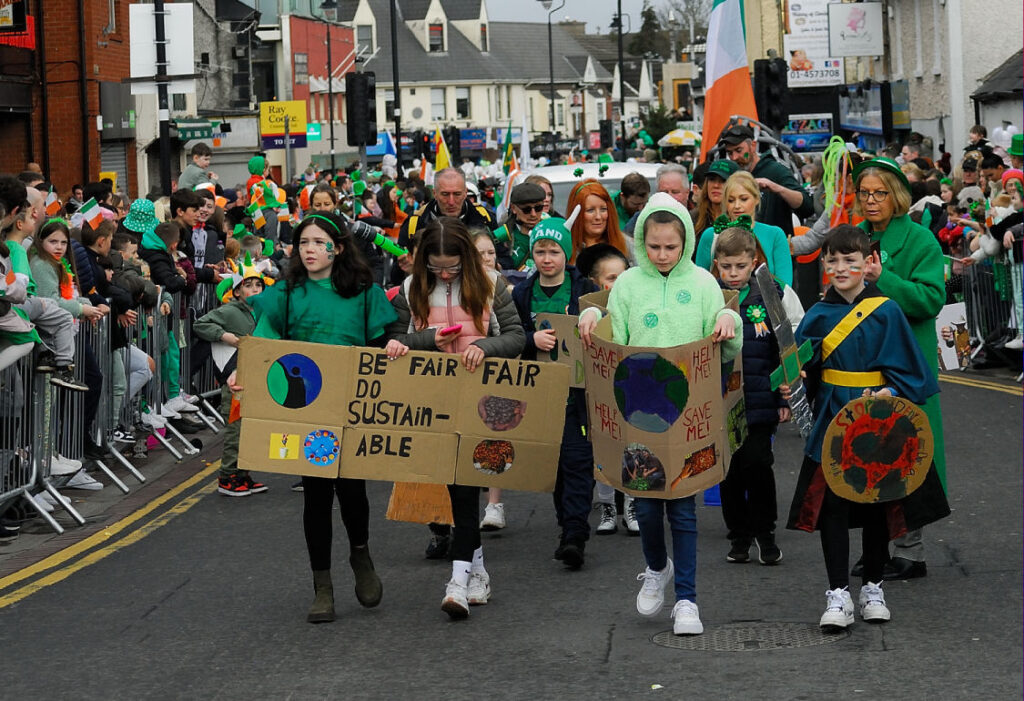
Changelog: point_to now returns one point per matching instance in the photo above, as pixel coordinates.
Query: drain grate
(753, 635)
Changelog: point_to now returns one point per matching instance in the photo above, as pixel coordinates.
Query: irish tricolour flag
(91, 213)
(728, 90)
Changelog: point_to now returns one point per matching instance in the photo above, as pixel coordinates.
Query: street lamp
(551, 68)
(330, 10)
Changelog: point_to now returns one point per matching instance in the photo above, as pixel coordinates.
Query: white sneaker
(686, 618)
(607, 525)
(1016, 343)
(629, 516)
(479, 588)
(152, 420)
(190, 398)
(180, 404)
(167, 412)
(59, 465)
(456, 600)
(46, 504)
(838, 611)
(651, 597)
(872, 604)
(494, 517)
(82, 480)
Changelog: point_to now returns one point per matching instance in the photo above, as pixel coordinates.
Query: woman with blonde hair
(598, 222)
(740, 200)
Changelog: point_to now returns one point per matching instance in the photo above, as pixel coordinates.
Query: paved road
(208, 601)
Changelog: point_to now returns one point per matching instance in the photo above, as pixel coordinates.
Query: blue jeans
(682, 520)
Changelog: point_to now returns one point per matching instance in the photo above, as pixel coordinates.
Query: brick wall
(66, 128)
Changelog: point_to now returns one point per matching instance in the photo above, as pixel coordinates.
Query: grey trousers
(54, 326)
(910, 546)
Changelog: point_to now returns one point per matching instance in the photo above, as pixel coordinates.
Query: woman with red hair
(597, 222)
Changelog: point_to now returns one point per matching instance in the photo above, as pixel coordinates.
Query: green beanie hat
(358, 188)
(557, 230)
(257, 164)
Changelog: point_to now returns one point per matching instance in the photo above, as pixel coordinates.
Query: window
(560, 114)
(497, 102)
(508, 101)
(483, 37)
(437, 110)
(178, 102)
(302, 69)
(364, 38)
(462, 103)
(389, 105)
(436, 38)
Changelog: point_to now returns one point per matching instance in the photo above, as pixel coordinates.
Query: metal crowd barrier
(989, 300)
(185, 312)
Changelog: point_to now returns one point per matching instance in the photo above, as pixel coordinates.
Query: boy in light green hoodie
(665, 301)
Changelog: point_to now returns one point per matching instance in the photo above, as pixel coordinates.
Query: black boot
(369, 590)
(322, 610)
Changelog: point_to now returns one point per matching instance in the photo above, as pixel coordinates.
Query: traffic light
(361, 108)
(771, 91)
(453, 137)
(607, 133)
(421, 144)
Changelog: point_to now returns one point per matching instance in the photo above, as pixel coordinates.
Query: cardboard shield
(877, 449)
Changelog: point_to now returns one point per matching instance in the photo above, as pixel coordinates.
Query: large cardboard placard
(597, 299)
(663, 422)
(568, 348)
(423, 418)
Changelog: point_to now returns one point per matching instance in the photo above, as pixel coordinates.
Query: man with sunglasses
(525, 211)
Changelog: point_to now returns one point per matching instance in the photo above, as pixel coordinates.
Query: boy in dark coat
(748, 492)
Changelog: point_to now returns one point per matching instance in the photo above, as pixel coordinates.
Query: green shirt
(558, 303)
(316, 313)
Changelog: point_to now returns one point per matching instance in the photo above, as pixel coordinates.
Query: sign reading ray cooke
(330, 411)
(663, 421)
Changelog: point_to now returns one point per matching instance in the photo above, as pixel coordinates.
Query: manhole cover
(741, 637)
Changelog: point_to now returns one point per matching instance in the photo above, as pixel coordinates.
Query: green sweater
(20, 264)
(234, 317)
(660, 311)
(48, 285)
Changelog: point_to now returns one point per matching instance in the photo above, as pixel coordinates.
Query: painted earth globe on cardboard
(650, 391)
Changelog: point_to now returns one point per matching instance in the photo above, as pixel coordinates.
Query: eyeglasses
(868, 195)
(450, 269)
(530, 208)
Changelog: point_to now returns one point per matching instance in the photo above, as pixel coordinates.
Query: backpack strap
(845, 327)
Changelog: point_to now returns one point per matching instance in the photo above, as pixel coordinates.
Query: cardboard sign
(568, 348)
(877, 449)
(954, 337)
(331, 411)
(662, 421)
(597, 299)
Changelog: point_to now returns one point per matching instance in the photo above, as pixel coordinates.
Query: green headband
(946, 181)
(322, 217)
(56, 219)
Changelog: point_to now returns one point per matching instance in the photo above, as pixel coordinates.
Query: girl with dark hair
(328, 296)
(449, 286)
(387, 200)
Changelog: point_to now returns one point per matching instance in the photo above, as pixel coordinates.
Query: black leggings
(466, 514)
(318, 497)
(835, 539)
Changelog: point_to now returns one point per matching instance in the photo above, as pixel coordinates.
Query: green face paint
(330, 246)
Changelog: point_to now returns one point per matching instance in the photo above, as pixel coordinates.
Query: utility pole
(622, 89)
(163, 107)
(396, 103)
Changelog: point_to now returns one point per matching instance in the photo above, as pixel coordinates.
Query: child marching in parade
(556, 288)
(449, 303)
(748, 492)
(863, 346)
(667, 301)
(328, 296)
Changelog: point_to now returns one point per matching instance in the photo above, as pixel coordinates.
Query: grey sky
(596, 13)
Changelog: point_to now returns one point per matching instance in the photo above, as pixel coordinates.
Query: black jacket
(760, 358)
(120, 299)
(161, 269)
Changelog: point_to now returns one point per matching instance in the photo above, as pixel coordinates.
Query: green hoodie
(153, 242)
(660, 311)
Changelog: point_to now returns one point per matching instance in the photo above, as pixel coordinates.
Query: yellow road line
(968, 379)
(101, 553)
(982, 384)
(80, 547)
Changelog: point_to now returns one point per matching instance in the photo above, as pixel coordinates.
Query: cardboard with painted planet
(658, 416)
(420, 418)
(568, 348)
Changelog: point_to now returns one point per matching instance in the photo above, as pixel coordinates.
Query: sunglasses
(451, 269)
(530, 208)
